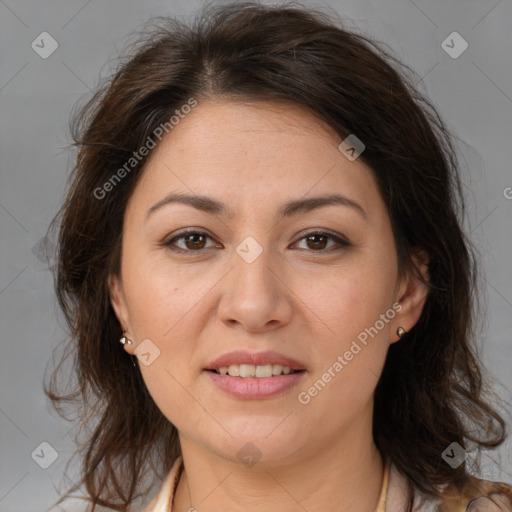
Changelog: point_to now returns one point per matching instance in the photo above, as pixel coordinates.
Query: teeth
(264, 370)
(276, 369)
(234, 370)
(251, 370)
(246, 370)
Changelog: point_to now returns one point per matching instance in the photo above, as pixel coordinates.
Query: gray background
(473, 92)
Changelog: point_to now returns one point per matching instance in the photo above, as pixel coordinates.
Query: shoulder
(479, 496)
(162, 502)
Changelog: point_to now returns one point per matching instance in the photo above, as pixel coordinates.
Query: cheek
(356, 314)
(162, 296)
(167, 307)
(352, 299)
(348, 364)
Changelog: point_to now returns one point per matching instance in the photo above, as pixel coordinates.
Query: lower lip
(255, 388)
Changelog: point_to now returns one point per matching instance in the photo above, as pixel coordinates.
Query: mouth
(254, 375)
(260, 371)
(258, 376)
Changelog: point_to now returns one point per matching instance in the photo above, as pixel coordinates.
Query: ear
(412, 294)
(118, 301)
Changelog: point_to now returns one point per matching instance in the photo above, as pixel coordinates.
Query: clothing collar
(393, 494)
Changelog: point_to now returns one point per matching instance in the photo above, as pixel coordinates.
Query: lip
(255, 358)
(255, 388)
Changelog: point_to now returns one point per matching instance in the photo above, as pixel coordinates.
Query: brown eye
(188, 242)
(318, 242)
(194, 241)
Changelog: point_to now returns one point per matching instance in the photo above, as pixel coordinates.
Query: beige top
(392, 495)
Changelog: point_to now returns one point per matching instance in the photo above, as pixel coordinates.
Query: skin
(294, 299)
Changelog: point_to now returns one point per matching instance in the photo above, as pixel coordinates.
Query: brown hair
(431, 391)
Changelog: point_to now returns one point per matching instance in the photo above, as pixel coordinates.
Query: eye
(317, 241)
(195, 241)
(191, 241)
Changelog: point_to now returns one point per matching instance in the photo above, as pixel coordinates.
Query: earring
(400, 332)
(124, 340)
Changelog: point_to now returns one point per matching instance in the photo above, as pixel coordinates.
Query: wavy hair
(432, 390)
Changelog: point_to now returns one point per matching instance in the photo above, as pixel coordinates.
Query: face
(313, 286)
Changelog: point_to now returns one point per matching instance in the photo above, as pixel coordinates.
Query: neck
(346, 474)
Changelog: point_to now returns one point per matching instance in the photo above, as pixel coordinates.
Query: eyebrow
(294, 207)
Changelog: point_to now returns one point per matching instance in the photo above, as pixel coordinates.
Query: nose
(255, 296)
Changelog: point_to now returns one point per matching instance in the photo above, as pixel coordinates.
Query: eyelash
(169, 243)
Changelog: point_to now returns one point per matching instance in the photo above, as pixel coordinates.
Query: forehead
(219, 133)
(254, 153)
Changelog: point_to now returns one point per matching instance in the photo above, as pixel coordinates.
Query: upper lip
(256, 358)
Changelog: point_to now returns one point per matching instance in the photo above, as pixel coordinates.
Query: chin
(257, 445)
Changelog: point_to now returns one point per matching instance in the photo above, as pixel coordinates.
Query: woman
(265, 215)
